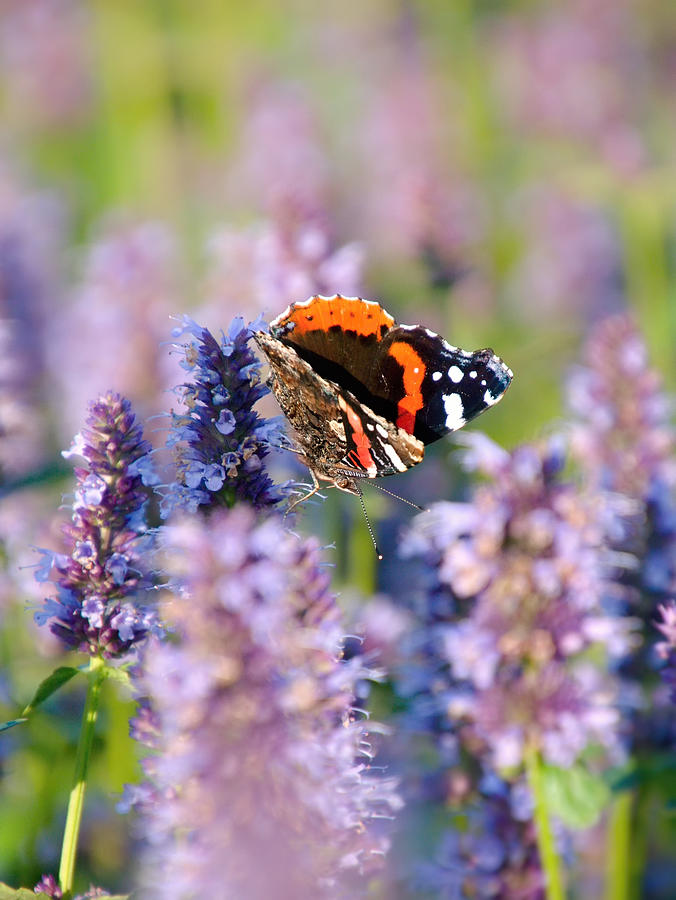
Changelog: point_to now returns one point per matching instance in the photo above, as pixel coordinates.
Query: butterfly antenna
(398, 497)
(368, 525)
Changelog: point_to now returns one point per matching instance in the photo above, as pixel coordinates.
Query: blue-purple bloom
(219, 441)
(102, 581)
(666, 649)
(510, 626)
(625, 442)
(259, 784)
(523, 571)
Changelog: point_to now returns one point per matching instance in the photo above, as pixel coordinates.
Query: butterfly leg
(305, 497)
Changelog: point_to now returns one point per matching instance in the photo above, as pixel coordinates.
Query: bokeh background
(502, 172)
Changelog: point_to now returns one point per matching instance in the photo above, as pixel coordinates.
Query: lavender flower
(49, 886)
(572, 260)
(220, 442)
(622, 433)
(666, 649)
(513, 610)
(293, 251)
(418, 202)
(493, 852)
(260, 785)
(570, 73)
(29, 223)
(624, 441)
(101, 604)
(115, 320)
(526, 560)
(281, 162)
(261, 267)
(44, 53)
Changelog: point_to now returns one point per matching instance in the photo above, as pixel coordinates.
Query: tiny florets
(102, 581)
(258, 754)
(219, 441)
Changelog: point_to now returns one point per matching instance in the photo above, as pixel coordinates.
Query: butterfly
(366, 395)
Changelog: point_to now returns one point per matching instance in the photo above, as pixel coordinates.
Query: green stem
(76, 801)
(549, 858)
(618, 848)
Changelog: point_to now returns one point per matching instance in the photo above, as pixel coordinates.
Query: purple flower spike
(259, 781)
(219, 441)
(666, 650)
(527, 563)
(512, 623)
(625, 441)
(101, 606)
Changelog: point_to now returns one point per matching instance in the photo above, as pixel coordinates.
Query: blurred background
(502, 172)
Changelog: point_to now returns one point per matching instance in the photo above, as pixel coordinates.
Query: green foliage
(50, 685)
(8, 893)
(575, 795)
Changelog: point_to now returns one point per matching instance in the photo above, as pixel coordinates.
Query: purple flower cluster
(259, 785)
(102, 583)
(570, 73)
(624, 440)
(666, 649)
(503, 660)
(492, 853)
(219, 441)
(29, 223)
(48, 886)
(262, 267)
(418, 201)
(119, 311)
(622, 434)
(524, 563)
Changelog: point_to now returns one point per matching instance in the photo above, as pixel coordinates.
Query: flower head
(114, 321)
(102, 583)
(666, 649)
(525, 562)
(49, 886)
(624, 440)
(502, 659)
(219, 441)
(258, 755)
(622, 433)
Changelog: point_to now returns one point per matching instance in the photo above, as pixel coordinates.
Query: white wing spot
(455, 374)
(393, 457)
(437, 375)
(416, 370)
(370, 426)
(483, 382)
(381, 431)
(489, 399)
(454, 411)
(472, 374)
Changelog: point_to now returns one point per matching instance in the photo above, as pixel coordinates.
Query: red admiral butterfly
(365, 395)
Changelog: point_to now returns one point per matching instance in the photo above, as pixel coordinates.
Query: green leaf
(50, 685)
(575, 795)
(12, 722)
(121, 676)
(9, 893)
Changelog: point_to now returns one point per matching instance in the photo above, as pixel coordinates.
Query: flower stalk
(618, 849)
(549, 857)
(76, 802)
